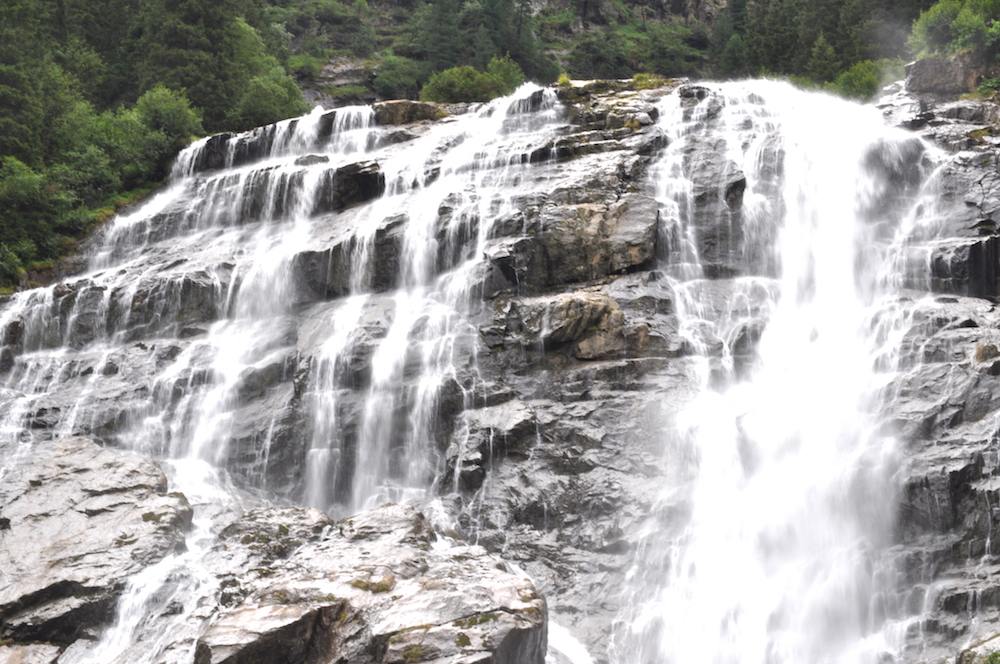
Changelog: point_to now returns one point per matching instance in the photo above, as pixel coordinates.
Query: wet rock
(30, 654)
(79, 521)
(312, 160)
(373, 588)
(349, 185)
(943, 76)
(559, 319)
(967, 267)
(405, 111)
(483, 435)
(583, 241)
(349, 263)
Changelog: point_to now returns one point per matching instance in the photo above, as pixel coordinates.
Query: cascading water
(784, 474)
(212, 259)
(301, 317)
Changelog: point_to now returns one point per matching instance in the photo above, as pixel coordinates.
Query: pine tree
(733, 61)
(822, 65)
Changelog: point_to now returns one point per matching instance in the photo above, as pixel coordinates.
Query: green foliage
(306, 66)
(932, 32)
(351, 93)
(638, 46)
(267, 98)
(952, 26)
(506, 72)
(822, 65)
(968, 30)
(449, 33)
(458, 84)
(398, 78)
(206, 49)
(733, 60)
(168, 112)
(863, 81)
(647, 82)
(988, 88)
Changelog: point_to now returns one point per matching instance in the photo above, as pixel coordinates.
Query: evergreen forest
(97, 96)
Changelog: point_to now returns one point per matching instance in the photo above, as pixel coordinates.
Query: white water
(236, 232)
(789, 485)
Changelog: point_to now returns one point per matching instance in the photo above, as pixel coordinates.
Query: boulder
(77, 520)
(31, 654)
(942, 76)
(349, 185)
(374, 588)
(405, 111)
(485, 434)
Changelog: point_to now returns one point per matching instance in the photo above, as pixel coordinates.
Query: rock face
(374, 588)
(76, 521)
(502, 315)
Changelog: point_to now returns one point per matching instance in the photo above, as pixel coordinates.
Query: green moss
(648, 82)
(463, 640)
(477, 619)
(255, 538)
(152, 516)
(414, 653)
(377, 587)
(282, 529)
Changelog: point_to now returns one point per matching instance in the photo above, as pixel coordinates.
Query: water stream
(784, 477)
(788, 480)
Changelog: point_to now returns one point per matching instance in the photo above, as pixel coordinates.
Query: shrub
(268, 98)
(600, 54)
(863, 81)
(164, 110)
(458, 84)
(398, 78)
(506, 72)
(932, 32)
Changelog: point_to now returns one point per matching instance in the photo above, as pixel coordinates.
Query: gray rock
(938, 75)
(373, 588)
(405, 111)
(78, 520)
(33, 654)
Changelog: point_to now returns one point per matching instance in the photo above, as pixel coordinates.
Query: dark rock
(349, 185)
(405, 111)
(967, 267)
(312, 160)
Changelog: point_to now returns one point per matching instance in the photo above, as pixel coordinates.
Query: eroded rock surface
(376, 587)
(76, 521)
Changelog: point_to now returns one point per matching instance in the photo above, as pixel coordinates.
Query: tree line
(97, 96)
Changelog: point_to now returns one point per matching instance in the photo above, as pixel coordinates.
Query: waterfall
(338, 312)
(787, 481)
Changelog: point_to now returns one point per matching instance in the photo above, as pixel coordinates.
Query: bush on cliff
(458, 84)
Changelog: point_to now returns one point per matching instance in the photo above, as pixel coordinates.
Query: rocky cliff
(504, 316)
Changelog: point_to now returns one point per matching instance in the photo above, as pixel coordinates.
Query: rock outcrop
(374, 588)
(76, 521)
